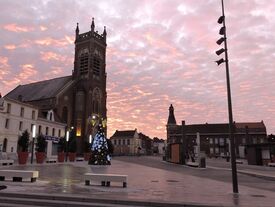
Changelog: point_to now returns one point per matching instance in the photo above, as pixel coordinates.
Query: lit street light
(33, 138)
(67, 140)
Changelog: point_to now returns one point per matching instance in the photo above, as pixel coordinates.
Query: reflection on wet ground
(144, 183)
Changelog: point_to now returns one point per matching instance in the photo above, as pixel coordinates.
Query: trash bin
(202, 162)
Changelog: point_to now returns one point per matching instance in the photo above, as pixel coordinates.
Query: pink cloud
(17, 28)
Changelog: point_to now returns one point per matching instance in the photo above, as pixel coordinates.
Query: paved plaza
(149, 179)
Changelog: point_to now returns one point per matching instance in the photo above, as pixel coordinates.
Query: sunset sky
(159, 52)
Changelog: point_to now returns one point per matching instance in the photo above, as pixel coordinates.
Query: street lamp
(223, 39)
(67, 140)
(33, 137)
(90, 139)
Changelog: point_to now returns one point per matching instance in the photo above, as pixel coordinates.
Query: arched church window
(97, 57)
(96, 65)
(84, 61)
(96, 101)
(79, 101)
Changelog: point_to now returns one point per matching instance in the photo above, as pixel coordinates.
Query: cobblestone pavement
(145, 183)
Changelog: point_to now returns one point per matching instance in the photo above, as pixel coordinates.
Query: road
(217, 169)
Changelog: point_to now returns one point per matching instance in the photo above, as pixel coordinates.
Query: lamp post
(33, 137)
(90, 139)
(67, 140)
(223, 39)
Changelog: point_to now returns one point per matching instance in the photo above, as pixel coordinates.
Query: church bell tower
(89, 76)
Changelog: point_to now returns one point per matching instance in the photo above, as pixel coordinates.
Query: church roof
(39, 90)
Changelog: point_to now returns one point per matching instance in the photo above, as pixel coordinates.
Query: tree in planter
(41, 145)
(61, 148)
(23, 145)
(87, 150)
(72, 148)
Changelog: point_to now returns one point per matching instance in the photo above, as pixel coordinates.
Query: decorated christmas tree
(99, 149)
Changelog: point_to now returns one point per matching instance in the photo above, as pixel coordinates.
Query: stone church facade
(74, 99)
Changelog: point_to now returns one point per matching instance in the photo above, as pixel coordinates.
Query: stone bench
(192, 164)
(6, 162)
(18, 175)
(79, 159)
(51, 160)
(105, 179)
(239, 162)
(271, 164)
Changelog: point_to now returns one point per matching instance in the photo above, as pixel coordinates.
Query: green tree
(41, 143)
(23, 141)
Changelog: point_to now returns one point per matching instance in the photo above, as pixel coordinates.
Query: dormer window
(50, 115)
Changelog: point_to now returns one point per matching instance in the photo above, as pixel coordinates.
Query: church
(74, 99)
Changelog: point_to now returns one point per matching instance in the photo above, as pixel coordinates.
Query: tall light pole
(223, 39)
(67, 140)
(33, 138)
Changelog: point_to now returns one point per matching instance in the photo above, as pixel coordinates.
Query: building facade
(214, 138)
(126, 142)
(16, 117)
(74, 99)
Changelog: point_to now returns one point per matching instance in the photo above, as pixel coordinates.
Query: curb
(86, 200)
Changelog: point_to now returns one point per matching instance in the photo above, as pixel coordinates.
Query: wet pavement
(145, 183)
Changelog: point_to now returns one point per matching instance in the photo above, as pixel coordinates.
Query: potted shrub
(72, 148)
(23, 145)
(61, 150)
(41, 145)
(87, 151)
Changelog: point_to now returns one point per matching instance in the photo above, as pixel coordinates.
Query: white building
(16, 117)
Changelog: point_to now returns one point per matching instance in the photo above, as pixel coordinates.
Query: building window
(22, 112)
(216, 140)
(53, 132)
(123, 142)
(59, 133)
(20, 125)
(243, 140)
(39, 129)
(47, 130)
(5, 144)
(9, 108)
(211, 141)
(119, 142)
(115, 142)
(33, 114)
(7, 123)
(128, 141)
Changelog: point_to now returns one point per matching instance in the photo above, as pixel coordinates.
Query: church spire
(104, 32)
(76, 31)
(171, 118)
(93, 25)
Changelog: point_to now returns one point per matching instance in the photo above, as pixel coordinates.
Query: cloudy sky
(159, 52)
